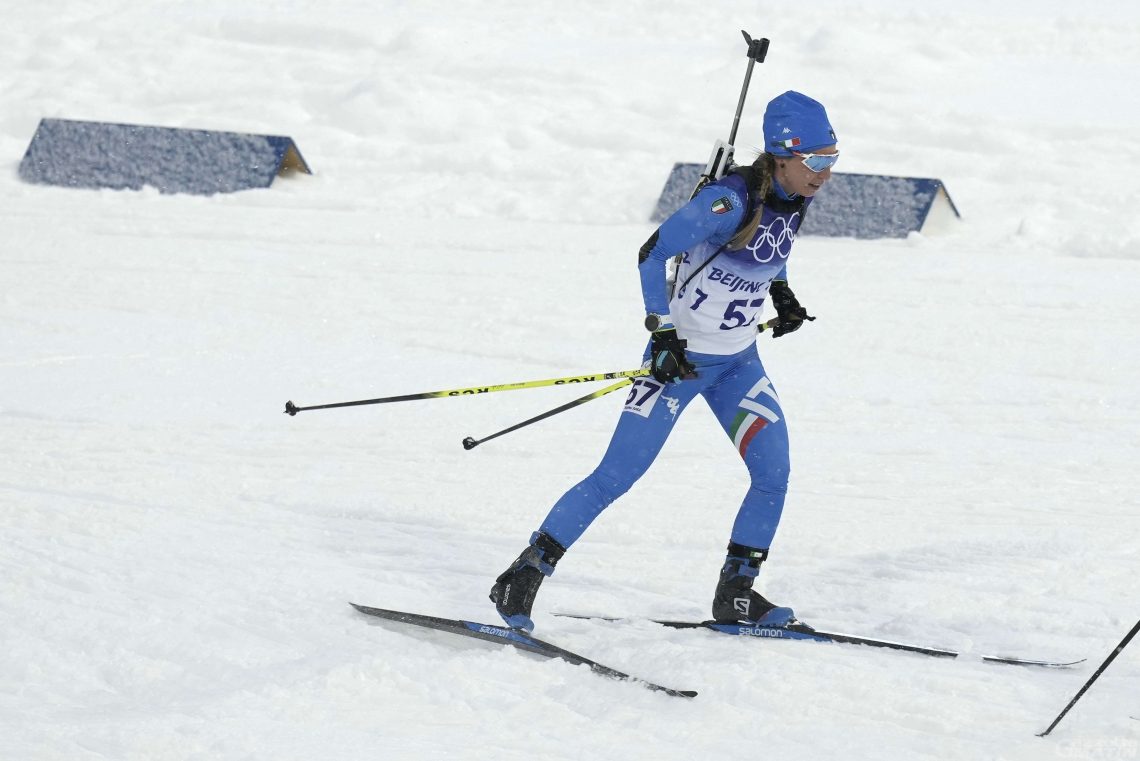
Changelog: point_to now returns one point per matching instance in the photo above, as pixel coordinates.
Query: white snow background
(177, 555)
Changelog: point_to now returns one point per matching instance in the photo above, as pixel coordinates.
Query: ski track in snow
(178, 555)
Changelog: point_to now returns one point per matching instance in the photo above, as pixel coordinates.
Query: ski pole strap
(292, 409)
(772, 323)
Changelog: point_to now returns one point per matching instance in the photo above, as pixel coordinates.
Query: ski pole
(292, 409)
(1127, 638)
(470, 443)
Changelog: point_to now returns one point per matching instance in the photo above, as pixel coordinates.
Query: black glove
(788, 309)
(667, 362)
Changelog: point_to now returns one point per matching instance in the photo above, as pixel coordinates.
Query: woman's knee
(769, 471)
(611, 482)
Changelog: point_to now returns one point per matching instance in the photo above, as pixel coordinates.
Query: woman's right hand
(667, 361)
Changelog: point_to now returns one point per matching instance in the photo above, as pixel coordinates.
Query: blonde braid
(765, 164)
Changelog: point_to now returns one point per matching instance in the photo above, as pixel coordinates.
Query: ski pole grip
(757, 49)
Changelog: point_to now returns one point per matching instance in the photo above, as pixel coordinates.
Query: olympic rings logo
(777, 237)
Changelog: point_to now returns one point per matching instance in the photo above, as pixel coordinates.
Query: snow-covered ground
(177, 554)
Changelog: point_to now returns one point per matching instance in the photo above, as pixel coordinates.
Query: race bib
(643, 394)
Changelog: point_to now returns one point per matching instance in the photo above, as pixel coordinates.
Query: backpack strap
(748, 190)
(752, 178)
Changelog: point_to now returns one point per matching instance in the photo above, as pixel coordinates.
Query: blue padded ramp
(850, 205)
(81, 154)
(677, 191)
(874, 206)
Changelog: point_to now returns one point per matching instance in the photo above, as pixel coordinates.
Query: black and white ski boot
(514, 590)
(735, 601)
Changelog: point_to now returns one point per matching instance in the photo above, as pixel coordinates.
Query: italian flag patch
(721, 206)
(792, 143)
(753, 416)
(744, 429)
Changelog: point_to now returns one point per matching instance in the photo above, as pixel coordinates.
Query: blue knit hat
(795, 122)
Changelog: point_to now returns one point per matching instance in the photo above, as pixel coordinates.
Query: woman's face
(795, 177)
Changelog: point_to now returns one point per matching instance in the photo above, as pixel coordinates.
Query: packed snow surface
(178, 555)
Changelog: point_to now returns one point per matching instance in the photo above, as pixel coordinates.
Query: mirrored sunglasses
(817, 162)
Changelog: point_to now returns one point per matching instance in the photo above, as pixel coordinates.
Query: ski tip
(667, 690)
(586, 617)
(366, 608)
(1031, 662)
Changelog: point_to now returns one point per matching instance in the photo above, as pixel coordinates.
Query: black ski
(801, 631)
(503, 635)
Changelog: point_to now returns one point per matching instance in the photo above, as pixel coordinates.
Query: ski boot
(514, 590)
(735, 601)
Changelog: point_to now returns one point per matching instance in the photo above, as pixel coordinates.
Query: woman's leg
(651, 410)
(748, 409)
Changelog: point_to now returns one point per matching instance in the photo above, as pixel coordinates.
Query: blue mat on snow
(80, 154)
(849, 205)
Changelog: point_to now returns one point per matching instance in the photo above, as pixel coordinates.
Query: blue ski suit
(715, 304)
